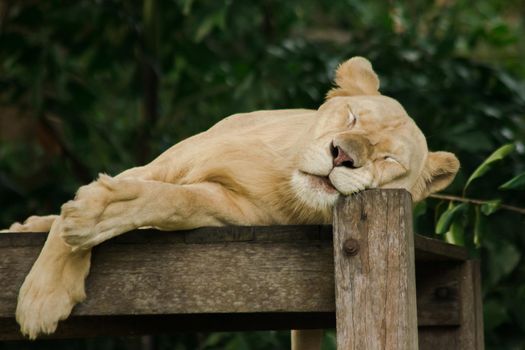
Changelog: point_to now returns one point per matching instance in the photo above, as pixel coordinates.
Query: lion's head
(362, 139)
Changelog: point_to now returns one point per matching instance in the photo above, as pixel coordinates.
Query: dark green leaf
(456, 233)
(216, 20)
(448, 216)
(419, 209)
(480, 227)
(499, 154)
(516, 183)
(490, 207)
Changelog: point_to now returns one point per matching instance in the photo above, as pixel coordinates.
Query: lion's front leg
(112, 206)
(53, 286)
(81, 215)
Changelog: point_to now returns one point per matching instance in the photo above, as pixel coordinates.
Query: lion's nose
(341, 158)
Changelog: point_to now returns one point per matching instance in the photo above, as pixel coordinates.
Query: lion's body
(259, 168)
(253, 156)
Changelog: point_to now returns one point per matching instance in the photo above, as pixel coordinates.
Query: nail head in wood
(351, 247)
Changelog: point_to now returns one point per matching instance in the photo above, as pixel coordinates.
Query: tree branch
(476, 201)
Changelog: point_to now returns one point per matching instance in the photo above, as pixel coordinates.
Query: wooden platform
(238, 278)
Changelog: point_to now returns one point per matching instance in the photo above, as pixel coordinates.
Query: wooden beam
(229, 278)
(471, 329)
(456, 288)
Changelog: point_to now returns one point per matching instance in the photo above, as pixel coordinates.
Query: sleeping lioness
(261, 168)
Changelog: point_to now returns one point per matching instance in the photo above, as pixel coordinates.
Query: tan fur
(33, 224)
(260, 168)
(355, 77)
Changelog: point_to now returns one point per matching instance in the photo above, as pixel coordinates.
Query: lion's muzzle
(350, 151)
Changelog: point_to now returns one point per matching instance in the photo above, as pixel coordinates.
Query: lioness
(260, 168)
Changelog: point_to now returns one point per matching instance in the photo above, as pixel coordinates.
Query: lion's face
(362, 140)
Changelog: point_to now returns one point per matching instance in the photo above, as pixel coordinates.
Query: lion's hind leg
(53, 286)
(55, 283)
(33, 224)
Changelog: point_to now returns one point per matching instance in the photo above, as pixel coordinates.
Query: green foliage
(75, 79)
(490, 207)
(517, 182)
(499, 154)
(501, 253)
(448, 216)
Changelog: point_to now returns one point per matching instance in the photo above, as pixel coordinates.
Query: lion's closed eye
(388, 168)
(351, 118)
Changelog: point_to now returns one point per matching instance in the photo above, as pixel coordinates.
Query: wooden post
(375, 272)
(471, 330)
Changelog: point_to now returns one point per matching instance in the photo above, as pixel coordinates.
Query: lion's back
(244, 137)
(247, 122)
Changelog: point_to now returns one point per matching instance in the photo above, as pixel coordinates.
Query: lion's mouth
(321, 182)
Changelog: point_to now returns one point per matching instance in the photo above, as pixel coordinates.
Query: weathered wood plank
(158, 273)
(426, 248)
(129, 264)
(433, 250)
(146, 272)
(471, 329)
(243, 278)
(456, 293)
(437, 284)
(438, 338)
(375, 272)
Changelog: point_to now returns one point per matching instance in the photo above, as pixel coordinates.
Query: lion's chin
(322, 183)
(315, 191)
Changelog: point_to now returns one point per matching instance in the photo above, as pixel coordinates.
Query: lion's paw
(42, 303)
(81, 216)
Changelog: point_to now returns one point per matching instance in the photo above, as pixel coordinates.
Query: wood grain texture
(437, 285)
(433, 250)
(146, 264)
(229, 278)
(439, 338)
(471, 329)
(375, 289)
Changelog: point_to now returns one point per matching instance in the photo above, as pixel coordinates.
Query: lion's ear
(441, 168)
(355, 77)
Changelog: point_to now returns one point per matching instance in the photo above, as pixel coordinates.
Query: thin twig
(476, 201)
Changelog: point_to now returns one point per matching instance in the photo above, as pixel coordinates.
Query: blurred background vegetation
(102, 85)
